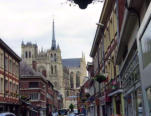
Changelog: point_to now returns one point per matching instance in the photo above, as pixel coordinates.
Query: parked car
(7, 114)
(63, 112)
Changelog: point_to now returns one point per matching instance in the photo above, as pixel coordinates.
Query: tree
(71, 106)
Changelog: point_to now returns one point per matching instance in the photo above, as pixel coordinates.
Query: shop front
(102, 104)
(144, 50)
(116, 94)
(132, 88)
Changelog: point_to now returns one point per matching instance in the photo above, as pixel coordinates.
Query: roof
(27, 72)
(9, 50)
(73, 62)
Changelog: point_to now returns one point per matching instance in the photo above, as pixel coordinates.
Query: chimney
(34, 65)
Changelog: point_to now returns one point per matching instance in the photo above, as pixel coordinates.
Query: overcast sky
(31, 21)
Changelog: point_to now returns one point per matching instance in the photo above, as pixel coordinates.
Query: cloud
(31, 20)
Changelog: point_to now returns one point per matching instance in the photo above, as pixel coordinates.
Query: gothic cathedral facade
(52, 66)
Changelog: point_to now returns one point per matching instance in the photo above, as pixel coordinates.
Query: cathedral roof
(72, 62)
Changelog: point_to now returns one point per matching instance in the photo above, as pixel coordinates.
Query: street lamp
(100, 24)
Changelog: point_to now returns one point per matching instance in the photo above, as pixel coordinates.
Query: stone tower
(49, 62)
(29, 52)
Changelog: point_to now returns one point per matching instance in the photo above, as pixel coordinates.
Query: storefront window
(139, 103)
(148, 91)
(146, 46)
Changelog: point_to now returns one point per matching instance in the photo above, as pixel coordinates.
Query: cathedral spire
(53, 46)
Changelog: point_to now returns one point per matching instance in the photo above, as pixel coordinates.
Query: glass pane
(148, 91)
(139, 104)
(146, 45)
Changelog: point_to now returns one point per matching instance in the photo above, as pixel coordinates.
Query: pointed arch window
(71, 80)
(55, 69)
(55, 58)
(26, 54)
(51, 69)
(78, 79)
(29, 54)
(51, 56)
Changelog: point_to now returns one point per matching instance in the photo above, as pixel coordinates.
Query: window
(29, 54)
(55, 69)
(34, 96)
(71, 80)
(6, 63)
(78, 79)
(55, 57)
(6, 85)
(13, 67)
(1, 85)
(1, 60)
(17, 70)
(26, 54)
(51, 69)
(146, 46)
(10, 66)
(33, 84)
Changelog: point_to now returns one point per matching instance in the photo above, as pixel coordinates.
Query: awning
(115, 92)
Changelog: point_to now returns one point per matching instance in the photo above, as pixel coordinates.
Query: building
(103, 52)
(76, 69)
(33, 86)
(51, 65)
(50, 98)
(131, 16)
(9, 79)
(143, 44)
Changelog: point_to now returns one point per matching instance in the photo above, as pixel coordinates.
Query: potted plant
(84, 3)
(100, 77)
(71, 107)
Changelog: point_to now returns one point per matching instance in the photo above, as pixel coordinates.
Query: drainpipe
(4, 79)
(4, 74)
(117, 18)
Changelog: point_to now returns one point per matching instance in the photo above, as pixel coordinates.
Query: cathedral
(66, 75)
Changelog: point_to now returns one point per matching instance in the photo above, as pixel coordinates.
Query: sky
(31, 21)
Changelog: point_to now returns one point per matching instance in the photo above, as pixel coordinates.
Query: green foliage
(100, 77)
(71, 106)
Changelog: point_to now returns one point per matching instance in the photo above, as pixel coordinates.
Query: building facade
(9, 79)
(127, 55)
(33, 87)
(51, 65)
(116, 63)
(76, 73)
(37, 93)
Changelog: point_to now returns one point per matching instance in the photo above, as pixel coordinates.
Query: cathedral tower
(29, 52)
